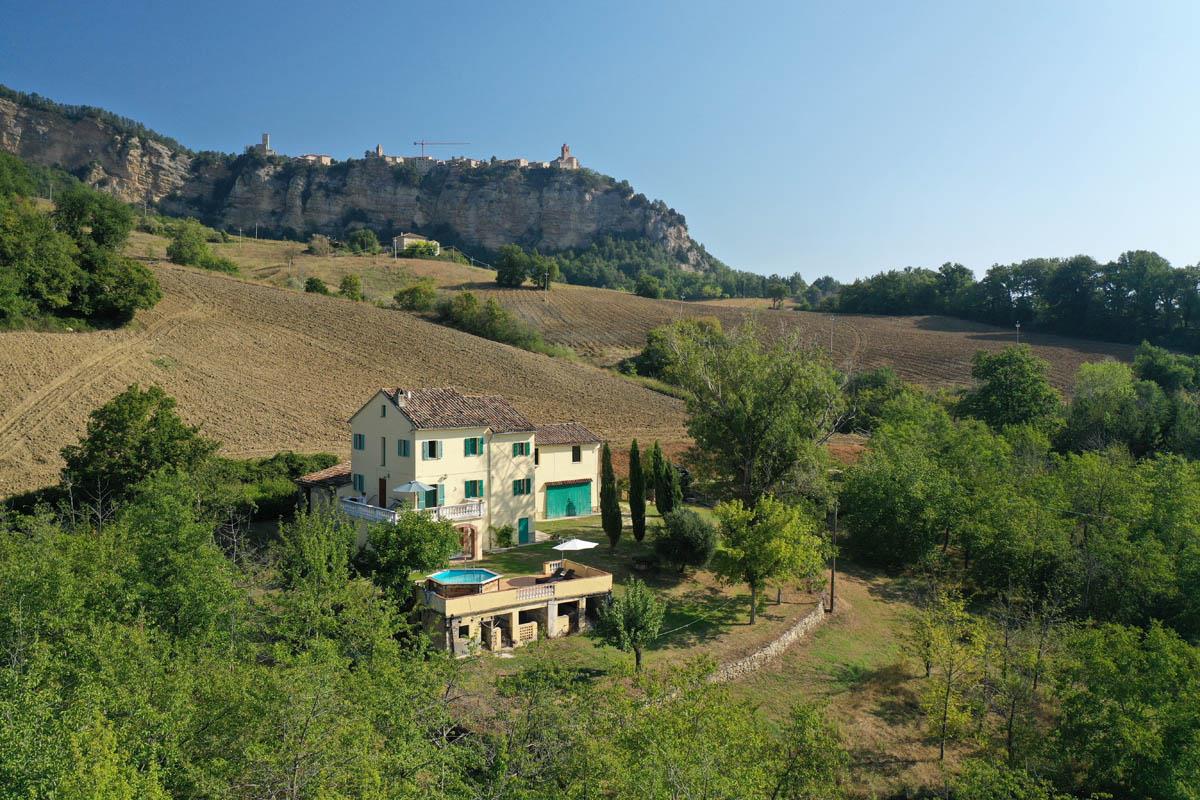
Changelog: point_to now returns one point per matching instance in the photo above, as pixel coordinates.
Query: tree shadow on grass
(701, 615)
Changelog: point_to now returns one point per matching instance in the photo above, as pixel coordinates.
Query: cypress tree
(662, 486)
(675, 487)
(652, 473)
(637, 492)
(610, 504)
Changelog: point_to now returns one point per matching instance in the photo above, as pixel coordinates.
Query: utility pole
(1018, 332)
(832, 319)
(833, 558)
(256, 230)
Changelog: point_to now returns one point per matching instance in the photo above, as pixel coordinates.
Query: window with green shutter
(523, 486)
(403, 448)
(473, 490)
(520, 448)
(473, 446)
(360, 441)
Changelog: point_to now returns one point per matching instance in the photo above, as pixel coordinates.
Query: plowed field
(264, 369)
(604, 326)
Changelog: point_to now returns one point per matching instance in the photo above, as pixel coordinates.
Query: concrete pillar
(583, 620)
(514, 618)
(551, 619)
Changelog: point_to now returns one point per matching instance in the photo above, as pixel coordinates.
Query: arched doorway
(471, 546)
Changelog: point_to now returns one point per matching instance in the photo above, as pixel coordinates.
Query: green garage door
(574, 500)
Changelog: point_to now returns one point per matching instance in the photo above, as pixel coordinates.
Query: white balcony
(472, 509)
(363, 510)
(462, 512)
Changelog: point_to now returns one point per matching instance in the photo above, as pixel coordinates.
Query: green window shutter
(441, 494)
(468, 447)
(420, 500)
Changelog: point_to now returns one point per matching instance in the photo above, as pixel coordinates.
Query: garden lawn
(856, 668)
(703, 617)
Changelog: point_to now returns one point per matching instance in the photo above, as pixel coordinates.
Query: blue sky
(838, 138)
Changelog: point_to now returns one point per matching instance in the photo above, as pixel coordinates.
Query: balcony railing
(472, 509)
(588, 581)
(370, 513)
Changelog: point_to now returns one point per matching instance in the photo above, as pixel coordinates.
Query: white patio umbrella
(576, 544)
(413, 488)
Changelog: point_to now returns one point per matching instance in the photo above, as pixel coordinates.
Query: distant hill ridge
(479, 207)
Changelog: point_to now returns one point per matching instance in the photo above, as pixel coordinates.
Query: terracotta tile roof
(576, 482)
(449, 408)
(337, 475)
(565, 433)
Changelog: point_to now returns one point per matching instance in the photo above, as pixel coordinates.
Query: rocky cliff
(133, 167)
(482, 207)
(476, 207)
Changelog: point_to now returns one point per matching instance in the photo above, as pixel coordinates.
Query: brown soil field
(264, 369)
(604, 326)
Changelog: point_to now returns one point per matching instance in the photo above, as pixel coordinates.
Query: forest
(1137, 296)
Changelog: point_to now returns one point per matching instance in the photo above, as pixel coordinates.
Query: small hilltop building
(565, 160)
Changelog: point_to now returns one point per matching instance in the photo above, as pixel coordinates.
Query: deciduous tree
(632, 620)
(770, 542)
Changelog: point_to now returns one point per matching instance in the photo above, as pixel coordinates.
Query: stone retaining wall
(769, 652)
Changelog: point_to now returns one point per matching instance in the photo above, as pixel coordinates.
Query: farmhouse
(474, 460)
(399, 243)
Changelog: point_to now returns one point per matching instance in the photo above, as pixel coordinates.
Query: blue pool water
(464, 576)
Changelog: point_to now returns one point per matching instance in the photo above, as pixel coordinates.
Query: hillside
(604, 326)
(264, 369)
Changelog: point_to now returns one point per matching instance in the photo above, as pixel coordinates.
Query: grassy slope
(604, 326)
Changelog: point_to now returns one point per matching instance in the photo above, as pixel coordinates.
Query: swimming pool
(464, 576)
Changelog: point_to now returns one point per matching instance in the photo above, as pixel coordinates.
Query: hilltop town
(423, 162)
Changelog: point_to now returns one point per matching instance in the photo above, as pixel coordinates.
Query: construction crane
(424, 142)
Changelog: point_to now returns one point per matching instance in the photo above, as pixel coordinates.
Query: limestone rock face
(481, 207)
(131, 167)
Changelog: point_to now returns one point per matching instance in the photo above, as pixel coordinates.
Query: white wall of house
(505, 506)
(449, 463)
(381, 425)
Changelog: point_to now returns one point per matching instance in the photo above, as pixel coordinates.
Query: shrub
(189, 246)
(351, 287)
(685, 539)
(417, 296)
(218, 263)
(319, 245)
(315, 285)
(503, 536)
(363, 241)
(420, 250)
(489, 320)
(649, 286)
